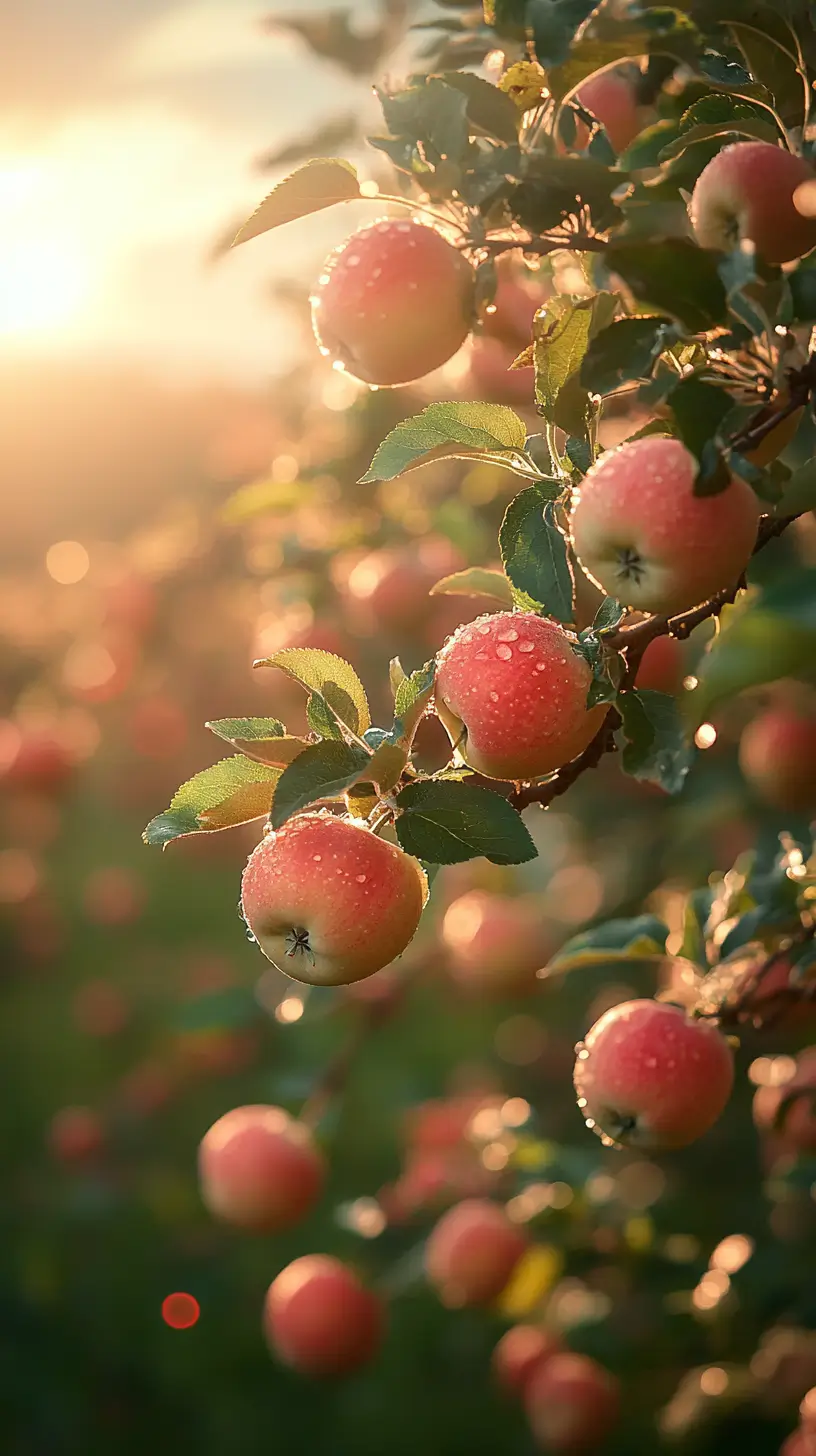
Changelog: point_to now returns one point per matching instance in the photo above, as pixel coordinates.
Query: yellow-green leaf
(320, 183)
(333, 678)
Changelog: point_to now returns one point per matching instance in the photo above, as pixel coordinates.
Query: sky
(129, 137)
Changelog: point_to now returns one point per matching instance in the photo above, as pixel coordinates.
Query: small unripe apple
(471, 1253)
(395, 301)
(520, 1351)
(777, 755)
(260, 1169)
(511, 691)
(329, 902)
(746, 193)
(662, 668)
(649, 1076)
(641, 533)
(572, 1403)
(320, 1320)
(495, 943)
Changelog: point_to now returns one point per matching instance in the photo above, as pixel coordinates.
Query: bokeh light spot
(180, 1311)
(67, 562)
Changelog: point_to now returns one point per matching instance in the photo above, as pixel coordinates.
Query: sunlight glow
(44, 281)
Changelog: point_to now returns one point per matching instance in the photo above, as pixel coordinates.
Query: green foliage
(641, 938)
(476, 581)
(656, 747)
(491, 432)
(447, 823)
(328, 678)
(321, 771)
(231, 792)
(535, 555)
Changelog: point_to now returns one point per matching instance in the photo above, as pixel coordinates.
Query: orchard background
(190, 488)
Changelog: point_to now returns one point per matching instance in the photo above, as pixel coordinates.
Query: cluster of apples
(571, 1402)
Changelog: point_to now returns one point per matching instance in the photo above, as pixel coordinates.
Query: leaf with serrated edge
(231, 792)
(451, 431)
(447, 823)
(535, 554)
(333, 678)
(323, 771)
(476, 581)
(320, 183)
(248, 729)
(643, 938)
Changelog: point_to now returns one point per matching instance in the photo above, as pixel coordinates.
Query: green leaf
(799, 493)
(320, 183)
(475, 581)
(771, 636)
(331, 677)
(675, 276)
(322, 771)
(763, 131)
(699, 410)
(609, 616)
(231, 792)
(556, 188)
(770, 58)
(411, 699)
(446, 822)
(657, 747)
(662, 31)
(321, 718)
(641, 938)
(561, 334)
(802, 284)
(488, 108)
(277, 750)
(625, 350)
(554, 24)
(535, 554)
(433, 113)
(453, 431)
(254, 730)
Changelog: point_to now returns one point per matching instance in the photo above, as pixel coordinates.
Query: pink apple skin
(643, 536)
(395, 301)
(662, 667)
(495, 943)
(611, 98)
(746, 192)
(319, 1319)
(777, 755)
(649, 1076)
(260, 1169)
(471, 1253)
(329, 902)
(520, 1351)
(572, 1403)
(511, 693)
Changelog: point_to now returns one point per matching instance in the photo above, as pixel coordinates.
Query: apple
(472, 1252)
(572, 1403)
(520, 1351)
(328, 901)
(495, 943)
(643, 536)
(648, 1075)
(777, 755)
(320, 1319)
(260, 1169)
(395, 301)
(511, 692)
(746, 194)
